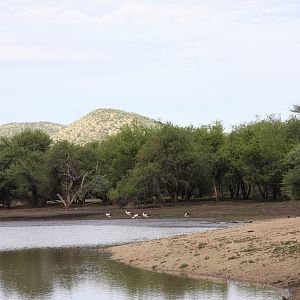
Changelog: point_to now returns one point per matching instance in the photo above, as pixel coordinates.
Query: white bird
(186, 215)
(135, 216)
(109, 215)
(128, 213)
(145, 215)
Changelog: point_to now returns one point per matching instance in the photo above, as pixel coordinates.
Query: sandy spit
(265, 252)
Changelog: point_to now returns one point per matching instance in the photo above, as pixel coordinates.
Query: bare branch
(62, 200)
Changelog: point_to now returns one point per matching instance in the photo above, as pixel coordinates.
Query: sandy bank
(266, 252)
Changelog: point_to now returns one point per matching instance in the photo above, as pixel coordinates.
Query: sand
(264, 252)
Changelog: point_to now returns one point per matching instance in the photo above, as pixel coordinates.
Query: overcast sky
(186, 61)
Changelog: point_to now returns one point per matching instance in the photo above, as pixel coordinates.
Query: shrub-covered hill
(99, 124)
(11, 129)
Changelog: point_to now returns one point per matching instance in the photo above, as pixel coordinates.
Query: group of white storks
(135, 216)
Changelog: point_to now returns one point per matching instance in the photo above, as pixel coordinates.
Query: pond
(62, 260)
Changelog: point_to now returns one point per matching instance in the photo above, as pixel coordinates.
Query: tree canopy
(256, 160)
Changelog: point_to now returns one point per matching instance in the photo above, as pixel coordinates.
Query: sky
(190, 62)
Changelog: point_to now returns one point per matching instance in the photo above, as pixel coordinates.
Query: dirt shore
(212, 210)
(265, 252)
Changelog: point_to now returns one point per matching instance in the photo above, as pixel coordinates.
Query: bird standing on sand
(145, 215)
(135, 216)
(109, 215)
(187, 215)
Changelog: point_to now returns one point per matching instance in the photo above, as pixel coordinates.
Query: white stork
(145, 215)
(128, 213)
(109, 215)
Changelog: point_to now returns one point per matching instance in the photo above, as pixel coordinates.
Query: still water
(61, 260)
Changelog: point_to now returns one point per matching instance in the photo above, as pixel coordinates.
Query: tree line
(256, 160)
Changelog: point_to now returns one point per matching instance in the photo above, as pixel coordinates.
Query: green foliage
(32, 140)
(184, 161)
(210, 163)
(22, 166)
(76, 172)
(296, 109)
(151, 164)
(256, 152)
(172, 160)
(117, 154)
(169, 147)
(261, 147)
(141, 183)
(291, 180)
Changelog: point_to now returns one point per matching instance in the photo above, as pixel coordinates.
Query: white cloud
(137, 34)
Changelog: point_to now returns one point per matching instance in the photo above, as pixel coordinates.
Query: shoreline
(264, 252)
(204, 209)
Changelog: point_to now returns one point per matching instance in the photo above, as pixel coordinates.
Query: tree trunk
(249, 191)
(231, 189)
(243, 189)
(68, 201)
(262, 192)
(162, 201)
(216, 190)
(274, 192)
(237, 194)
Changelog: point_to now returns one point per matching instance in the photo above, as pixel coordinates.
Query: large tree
(23, 168)
(117, 154)
(212, 166)
(171, 163)
(76, 171)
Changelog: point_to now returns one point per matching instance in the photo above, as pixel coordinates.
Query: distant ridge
(10, 129)
(96, 125)
(101, 123)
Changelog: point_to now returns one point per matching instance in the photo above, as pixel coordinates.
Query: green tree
(117, 154)
(140, 184)
(296, 109)
(212, 166)
(291, 180)
(256, 153)
(77, 172)
(169, 147)
(23, 168)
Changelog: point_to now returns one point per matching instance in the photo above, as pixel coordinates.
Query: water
(43, 260)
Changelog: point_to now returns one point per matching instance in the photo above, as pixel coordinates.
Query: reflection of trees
(137, 281)
(31, 273)
(35, 272)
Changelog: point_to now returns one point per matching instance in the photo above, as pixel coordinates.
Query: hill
(99, 124)
(11, 129)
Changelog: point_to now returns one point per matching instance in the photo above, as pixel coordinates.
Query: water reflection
(84, 273)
